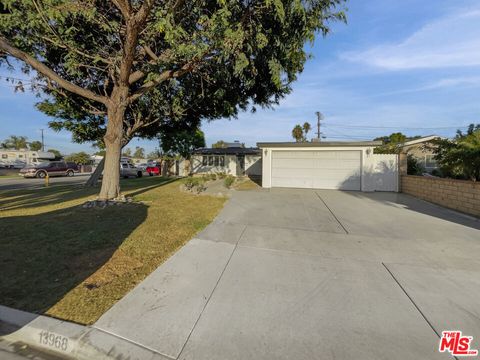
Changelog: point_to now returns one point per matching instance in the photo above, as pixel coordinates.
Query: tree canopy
(35, 146)
(220, 144)
(299, 132)
(183, 142)
(107, 58)
(139, 152)
(80, 158)
(391, 143)
(15, 142)
(460, 157)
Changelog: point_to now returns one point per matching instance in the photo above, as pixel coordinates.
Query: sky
(410, 66)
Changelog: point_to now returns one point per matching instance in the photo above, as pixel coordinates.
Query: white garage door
(317, 169)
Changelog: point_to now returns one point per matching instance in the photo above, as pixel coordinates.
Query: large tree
(15, 142)
(392, 143)
(35, 145)
(460, 157)
(110, 54)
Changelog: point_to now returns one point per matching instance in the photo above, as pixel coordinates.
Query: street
(22, 183)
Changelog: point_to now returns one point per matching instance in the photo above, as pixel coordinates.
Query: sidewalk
(26, 335)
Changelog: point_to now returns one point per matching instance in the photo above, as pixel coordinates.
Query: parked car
(128, 169)
(143, 166)
(52, 168)
(154, 168)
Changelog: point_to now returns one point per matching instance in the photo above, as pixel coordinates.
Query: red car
(154, 169)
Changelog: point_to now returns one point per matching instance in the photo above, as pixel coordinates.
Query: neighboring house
(421, 149)
(235, 160)
(328, 165)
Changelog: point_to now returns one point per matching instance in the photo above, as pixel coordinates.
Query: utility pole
(319, 118)
(43, 144)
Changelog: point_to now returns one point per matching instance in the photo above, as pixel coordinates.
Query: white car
(128, 170)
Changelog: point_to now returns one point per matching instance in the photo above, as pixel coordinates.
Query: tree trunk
(113, 146)
(93, 179)
(187, 167)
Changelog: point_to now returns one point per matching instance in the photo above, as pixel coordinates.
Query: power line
(395, 127)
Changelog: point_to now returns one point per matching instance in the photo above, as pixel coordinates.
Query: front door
(240, 165)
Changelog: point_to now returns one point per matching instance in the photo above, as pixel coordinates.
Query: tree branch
(49, 73)
(124, 7)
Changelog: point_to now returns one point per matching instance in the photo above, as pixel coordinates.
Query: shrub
(413, 166)
(221, 175)
(213, 176)
(200, 187)
(195, 184)
(191, 182)
(228, 182)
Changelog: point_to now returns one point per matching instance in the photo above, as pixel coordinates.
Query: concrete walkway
(303, 274)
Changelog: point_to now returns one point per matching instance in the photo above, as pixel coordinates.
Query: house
(422, 150)
(233, 160)
(328, 165)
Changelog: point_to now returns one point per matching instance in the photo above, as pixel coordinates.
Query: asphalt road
(22, 183)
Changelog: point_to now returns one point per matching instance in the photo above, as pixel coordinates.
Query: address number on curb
(53, 340)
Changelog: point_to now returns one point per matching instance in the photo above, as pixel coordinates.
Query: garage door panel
(295, 182)
(317, 169)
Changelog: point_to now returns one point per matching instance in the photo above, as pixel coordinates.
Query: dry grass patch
(73, 263)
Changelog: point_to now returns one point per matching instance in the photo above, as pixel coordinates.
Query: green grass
(246, 184)
(62, 260)
(10, 176)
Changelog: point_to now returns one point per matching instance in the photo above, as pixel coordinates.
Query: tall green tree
(182, 141)
(460, 157)
(35, 146)
(139, 152)
(15, 142)
(80, 158)
(127, 152)
(110, 54)
(306, 128)
(392, 142)
(55, 152)
(220, 144)
(297, 133)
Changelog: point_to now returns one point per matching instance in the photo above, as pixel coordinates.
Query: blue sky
(410, 66)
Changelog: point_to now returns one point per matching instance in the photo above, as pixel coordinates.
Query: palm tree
(15, 142)
(297, 133)
(306, 128)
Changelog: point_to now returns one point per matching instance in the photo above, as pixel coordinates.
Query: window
(20, 155)
(124, 165)
(4, 156)
(430, 162)
(213, 160)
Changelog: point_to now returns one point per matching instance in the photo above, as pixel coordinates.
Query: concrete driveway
(303, 274)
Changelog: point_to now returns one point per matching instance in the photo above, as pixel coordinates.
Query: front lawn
(73, 263)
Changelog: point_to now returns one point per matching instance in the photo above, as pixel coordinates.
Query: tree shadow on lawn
(30, 198)
(44, 256)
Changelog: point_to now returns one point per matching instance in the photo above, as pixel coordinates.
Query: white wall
(253, 165)
(384, 173)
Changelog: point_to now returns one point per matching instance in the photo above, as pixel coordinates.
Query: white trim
(420, 140)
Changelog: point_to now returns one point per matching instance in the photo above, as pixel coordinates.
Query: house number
(53, 340)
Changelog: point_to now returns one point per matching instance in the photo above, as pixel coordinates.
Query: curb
(69, 340)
